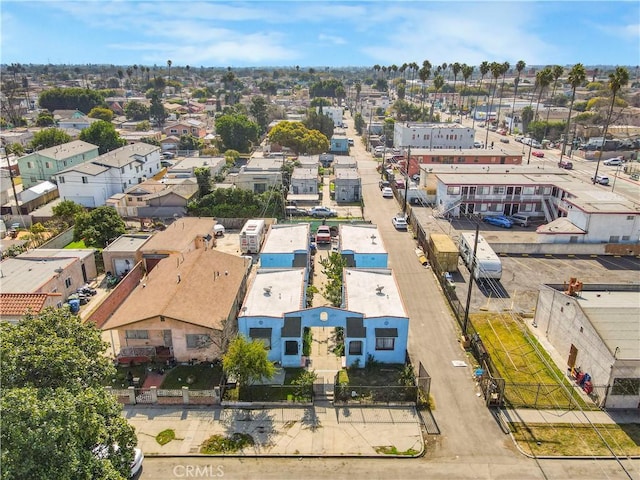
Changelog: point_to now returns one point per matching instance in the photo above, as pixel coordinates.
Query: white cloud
(335, 40)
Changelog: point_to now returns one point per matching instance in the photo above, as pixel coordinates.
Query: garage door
(122, 265)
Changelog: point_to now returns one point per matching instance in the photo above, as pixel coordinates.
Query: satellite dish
(379, 289)
(267, 291)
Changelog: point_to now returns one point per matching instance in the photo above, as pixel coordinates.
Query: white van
(520, 219)
(252, 236)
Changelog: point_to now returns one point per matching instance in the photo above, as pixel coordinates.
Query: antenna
(267, 291)
(379, 289)
(373, 239)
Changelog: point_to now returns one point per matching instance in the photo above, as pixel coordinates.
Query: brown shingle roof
(198, 287)
(19, 304)
(179, 235)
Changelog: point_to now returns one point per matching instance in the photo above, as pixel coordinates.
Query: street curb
(284, 455)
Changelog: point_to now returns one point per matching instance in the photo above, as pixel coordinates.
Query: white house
(93, 182)
(432, 135)
(335, 113)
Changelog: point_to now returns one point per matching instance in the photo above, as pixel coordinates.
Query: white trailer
(252, 235)
(487, 265)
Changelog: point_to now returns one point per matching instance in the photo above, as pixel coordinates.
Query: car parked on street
(321, 211)
(613, 162)
(498, 221)
(400, 222)
(601, 179)
(387, 192)
(292, 211)
(566, 164)
(384, 183)
(323, 235)
(504, 140)
(537, 153)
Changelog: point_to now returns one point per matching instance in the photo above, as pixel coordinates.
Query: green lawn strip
(165, 436)
(577, 440)
(219, 444)
(391, 450)
(520, 365)
(196, 377)
(78, 244)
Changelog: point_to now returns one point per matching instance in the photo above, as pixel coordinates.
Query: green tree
(45, 119)
(231, 157)
(260, 112)
(53, 366)
(15, 148)
(136, 111)
(332, 267)
(247, 361)
(438, 82)
(103, 135)
(98, 227)
(316, 120)
(143, 126)
(49, 137)
(101, 114)
(65, 212)
(358, 123)
(577, 76)
(617, 79)
(519, 68)
(203, 176)
(484, 69)
(70, 98)
(157, 111)
(299, 138)
(237, 131)
(527, 117)
(189, 142)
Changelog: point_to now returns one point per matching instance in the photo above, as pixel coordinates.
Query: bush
(220, 444)
(165, 436)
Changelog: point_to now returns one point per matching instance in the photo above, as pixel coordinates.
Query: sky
(324, 33)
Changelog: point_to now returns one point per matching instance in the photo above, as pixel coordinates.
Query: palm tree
(438, 82)
(169, 63)
(519, 68)
(467, 71)
(455, 68)
(496, 71)
(543, 80)
(376, 68)
(577, 77)
(425, 73)
(484, 69)
(556, 72)
(617, 79)
(504, 68)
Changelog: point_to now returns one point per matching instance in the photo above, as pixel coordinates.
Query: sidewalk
(320, 430)
(571, 416)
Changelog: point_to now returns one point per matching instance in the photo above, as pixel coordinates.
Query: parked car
(601, 179)
(536, 144)
(520, 219)
(498, 221)
(102, 452)
(292, 211)
(566, 164)
(537, 153)
(323, 235)
(350, 142)
(478, 144)
(400, 222)
(504, 140)
(168, 155)
(613, 162)
(218, 230)
(321, 211)
(519, 138)
(387, 192)
(384, 183)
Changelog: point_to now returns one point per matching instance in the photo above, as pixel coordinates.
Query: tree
(49, 137)
(527, 117)
(556, 72)
(438, 82)
(543, 80)
(237, 131)
(136, 111)
(157, 111)
(189, 142)
(484, 69)
(504, 68)
(299, 138)
(65, 212)
(70, 98)
(456, 68)
(98, 227)
(169, 63)
(617, 79)
(144, 126)
(467, 71)
(576, 77)
(103, 135)
(203, 176)
(101, 114)
(247, 361)
(259, 111)
(45, 119)
(332, 267)
(519, 68)
(54, 410)
(425, 73)
(316, 120)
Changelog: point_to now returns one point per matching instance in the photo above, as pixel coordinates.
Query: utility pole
(13, 185)
(465, 323)
(406, 182)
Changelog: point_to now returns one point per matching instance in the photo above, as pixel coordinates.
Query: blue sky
(311, 34)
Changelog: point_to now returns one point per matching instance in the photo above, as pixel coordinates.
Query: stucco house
(304, 181)
(362, 247)
(348, 185)
(259, 174)
(123, 253)
(155, 199)
(43, 165)
(185, 308)
(432, 135)
(286, 246)
(14, 306)
(188, 126)
(91, 183)
(339, 144)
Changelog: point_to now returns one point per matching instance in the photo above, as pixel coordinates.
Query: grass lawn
(379, 383)
(119, 380)
(384, 375)
(196, 377)
(78, 244)
(564, 439)
(519, 363)
(271, 393)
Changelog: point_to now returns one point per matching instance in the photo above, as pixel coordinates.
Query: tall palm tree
(438, 83)
(519, 68)
(467, 71)
(484, 69)
(496, 71)
(557, 72)
(504, 68)
(169, 63)
(617, 79)
(576, 77)
(424, 73)
(543, 80)
(376, 68)
(455, 68)
(414, 70)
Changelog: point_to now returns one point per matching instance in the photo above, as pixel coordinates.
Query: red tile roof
(18, 304)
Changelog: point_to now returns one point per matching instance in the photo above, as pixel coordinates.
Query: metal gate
(424, 382)
(143, 395)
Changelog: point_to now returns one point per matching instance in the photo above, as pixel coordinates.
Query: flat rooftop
(28, 275)
(361, 239)
(614, 315)
(275, 292)
(127, 243)
(179, 235)
(287, 238)
(374, 293)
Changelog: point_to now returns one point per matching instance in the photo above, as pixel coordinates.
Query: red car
(537, 154)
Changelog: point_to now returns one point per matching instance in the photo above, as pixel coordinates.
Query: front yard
(377, 383)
